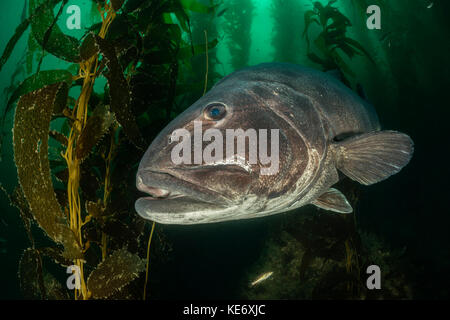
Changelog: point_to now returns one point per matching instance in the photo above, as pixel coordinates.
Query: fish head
(195, 170)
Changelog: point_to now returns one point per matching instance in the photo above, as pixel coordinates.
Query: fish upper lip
(176, 192)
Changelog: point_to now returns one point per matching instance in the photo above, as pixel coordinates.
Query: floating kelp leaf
(30, 139)
(31, 280)
(37, 81)
(115, 272)
(96, 126)
(120, 94)
(48, 34)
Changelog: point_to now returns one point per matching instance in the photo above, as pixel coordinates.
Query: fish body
(261, 278)
(319, 128)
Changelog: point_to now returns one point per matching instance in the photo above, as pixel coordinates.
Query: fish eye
(215, 111)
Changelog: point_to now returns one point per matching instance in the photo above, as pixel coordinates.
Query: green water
(407, 83)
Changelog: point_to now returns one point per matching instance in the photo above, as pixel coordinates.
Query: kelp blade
(30, 139)
(37, 81)
(49, 35)
(119, 92)
(114, 273)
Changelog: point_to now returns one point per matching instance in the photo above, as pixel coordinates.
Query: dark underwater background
(401, 224)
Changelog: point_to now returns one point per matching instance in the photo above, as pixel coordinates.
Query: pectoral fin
(372, 157)
(333, 200)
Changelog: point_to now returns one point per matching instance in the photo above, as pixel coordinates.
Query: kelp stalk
(148, 260)
(80, 111)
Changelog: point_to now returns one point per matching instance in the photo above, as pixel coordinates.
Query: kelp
(37, 81)
(115, 272)
(36, 282)
(119, 93)
(30, 136)
(239, 18)
(13, 41)
(332, 38)
(49, 35)
(34, 14)
(96, 127)
(285, 15)
(77, 185)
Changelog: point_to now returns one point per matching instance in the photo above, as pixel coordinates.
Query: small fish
(261, 278)
(430, 5)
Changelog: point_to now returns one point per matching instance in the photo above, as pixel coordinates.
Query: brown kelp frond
(96, 127)
(115, 272)
(30, 137)
(37, 81)
(49, 35)
(332, 38)
(120, 93)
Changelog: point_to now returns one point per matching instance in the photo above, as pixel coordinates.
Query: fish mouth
(174, 200)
